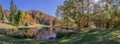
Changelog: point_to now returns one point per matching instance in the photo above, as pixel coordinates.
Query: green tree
(64, 13)
(13, 11)
(116, 18)
(19, 18)
(1, 12)
(71, 11)
(82, 12)
(2, 15)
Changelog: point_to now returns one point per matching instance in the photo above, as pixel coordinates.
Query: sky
(46, 6)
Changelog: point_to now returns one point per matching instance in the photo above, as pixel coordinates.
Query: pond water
(46, 34)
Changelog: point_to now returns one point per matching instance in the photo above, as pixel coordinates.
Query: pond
(36, 33)
(46, 34)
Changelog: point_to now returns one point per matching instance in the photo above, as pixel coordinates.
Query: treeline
(78, 14)
(19, 17)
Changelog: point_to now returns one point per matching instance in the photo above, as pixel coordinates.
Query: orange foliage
(28, 18)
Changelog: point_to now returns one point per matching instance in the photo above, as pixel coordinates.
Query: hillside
(35, 16)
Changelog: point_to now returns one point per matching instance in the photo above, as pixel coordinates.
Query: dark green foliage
(16, 17)
(13, 11)
(19, 18)
(2, 16)
(1, 12)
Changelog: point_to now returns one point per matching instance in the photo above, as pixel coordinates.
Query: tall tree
(102, 12)
(1, 12)
(13, 11)
(2, 16)
(71, 11)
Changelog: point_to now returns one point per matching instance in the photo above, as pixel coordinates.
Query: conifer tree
(13, 11)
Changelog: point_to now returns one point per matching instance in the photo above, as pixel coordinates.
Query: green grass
(95, 37)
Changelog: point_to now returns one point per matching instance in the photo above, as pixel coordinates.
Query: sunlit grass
(6, 26)
(34, 26)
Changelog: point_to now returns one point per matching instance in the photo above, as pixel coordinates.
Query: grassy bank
(7, 26)
(84, 37)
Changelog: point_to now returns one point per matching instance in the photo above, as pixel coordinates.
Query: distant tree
(2, 15)
(13, 11)
(1, 12)
(29, 19)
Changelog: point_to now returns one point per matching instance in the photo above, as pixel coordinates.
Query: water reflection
(46, 34)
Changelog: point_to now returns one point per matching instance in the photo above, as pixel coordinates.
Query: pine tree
(13, 11)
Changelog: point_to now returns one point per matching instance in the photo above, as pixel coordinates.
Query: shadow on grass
(94, 37)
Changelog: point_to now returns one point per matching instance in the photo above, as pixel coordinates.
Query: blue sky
(46, 6)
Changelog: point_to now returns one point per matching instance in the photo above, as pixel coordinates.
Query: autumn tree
(29, 19)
